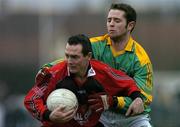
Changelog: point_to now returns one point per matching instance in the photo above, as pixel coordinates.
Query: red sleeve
(115, 82)
(35, 100)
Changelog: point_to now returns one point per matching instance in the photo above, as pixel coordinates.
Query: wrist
(46, 115)
(114, 102)
(135, 95)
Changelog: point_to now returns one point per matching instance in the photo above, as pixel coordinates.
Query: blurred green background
(34, 32)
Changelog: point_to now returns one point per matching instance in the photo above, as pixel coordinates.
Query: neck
(81, 77)
(120, 43)
(82, 74)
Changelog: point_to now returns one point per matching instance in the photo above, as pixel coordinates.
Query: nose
(69, 60)
(111, 23)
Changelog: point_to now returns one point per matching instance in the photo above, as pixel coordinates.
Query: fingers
(93, 96)
(59, 115)
(96, 107)
(135, 108)
(132, 110)
(95, 103)
(96, 95)
(99, 101)
(140, 105)
(69, 114)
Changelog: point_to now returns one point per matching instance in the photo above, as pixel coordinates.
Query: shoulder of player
(99, 66)
(99, 39)
(59, 67)
(104, 71)
(141, 53)
(50, 64)
(96, 63)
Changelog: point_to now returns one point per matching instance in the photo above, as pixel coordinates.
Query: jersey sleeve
(40, 75)
(115, 81)
(97, 47)
(143, 77)
(35, 99)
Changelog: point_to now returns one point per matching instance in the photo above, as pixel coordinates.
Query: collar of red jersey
(91, 72)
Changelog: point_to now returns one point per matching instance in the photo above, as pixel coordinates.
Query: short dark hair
(130, 13)
(83, 40)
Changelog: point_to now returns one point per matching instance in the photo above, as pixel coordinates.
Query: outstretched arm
(143, 78)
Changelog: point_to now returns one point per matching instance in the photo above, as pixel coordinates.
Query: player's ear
(131, 25)
(89, 55)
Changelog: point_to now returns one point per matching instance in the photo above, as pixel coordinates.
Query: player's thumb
(129, 111)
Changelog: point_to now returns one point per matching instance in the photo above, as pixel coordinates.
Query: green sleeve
(52, 63)
(98, 49)
(143, 77)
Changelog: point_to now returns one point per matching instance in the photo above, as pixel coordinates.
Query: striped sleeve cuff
(135, 94)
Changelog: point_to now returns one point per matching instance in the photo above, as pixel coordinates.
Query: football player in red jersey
(95, 84)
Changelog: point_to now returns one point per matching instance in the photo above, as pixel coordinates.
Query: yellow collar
(129, 46)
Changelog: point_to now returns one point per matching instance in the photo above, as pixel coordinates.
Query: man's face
(77, 62)
(116, 23)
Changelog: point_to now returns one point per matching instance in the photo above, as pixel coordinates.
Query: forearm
(124, 102)
(34, 103)
(35, 99)
(144, 82)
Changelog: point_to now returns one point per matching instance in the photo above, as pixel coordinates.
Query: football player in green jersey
(118, 49)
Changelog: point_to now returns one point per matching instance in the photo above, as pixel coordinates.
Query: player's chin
(112, 34)
(73, 70)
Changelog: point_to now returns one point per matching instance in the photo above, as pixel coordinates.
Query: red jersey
(100, 78)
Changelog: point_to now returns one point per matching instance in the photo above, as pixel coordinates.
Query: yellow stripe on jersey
(141, 54)
(98, 39)
(121, 102)
(149, 97)
(129, 45)
(149, 78)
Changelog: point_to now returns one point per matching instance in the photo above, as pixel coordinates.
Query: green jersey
(133, 60)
